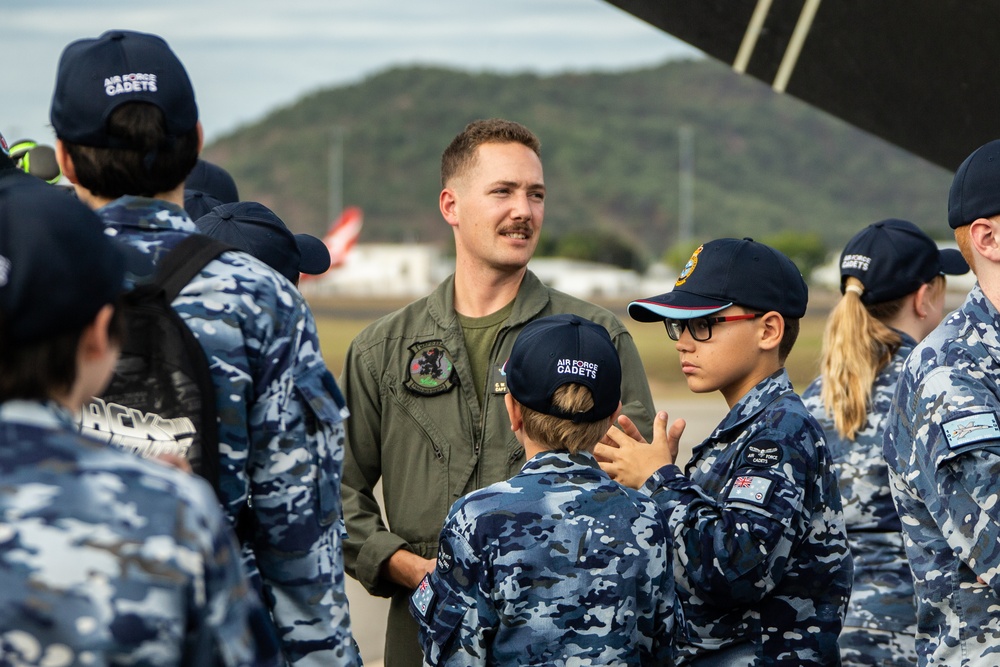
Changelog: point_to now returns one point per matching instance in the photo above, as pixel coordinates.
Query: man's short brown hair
(461, 152)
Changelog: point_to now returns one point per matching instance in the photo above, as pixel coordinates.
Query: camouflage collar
(47, 415)
(756, 400)
(561, 462)
(146, 213)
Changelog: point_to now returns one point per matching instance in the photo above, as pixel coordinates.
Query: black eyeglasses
(701, 327)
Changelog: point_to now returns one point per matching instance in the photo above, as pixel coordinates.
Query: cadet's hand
(407, 569)
(629, 460)
(175, 461)
(630, 429)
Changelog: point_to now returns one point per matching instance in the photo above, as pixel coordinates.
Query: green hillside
(764, 163)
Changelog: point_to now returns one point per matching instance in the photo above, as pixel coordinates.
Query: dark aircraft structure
(921, 74)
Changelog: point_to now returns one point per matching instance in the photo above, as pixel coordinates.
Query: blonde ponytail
(856, 345)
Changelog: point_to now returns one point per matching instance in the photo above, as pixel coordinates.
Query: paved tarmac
(368, 613)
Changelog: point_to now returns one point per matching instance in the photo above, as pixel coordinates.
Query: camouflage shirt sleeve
(958, 417)
(295, 472)
(733, 549)
(459, 619)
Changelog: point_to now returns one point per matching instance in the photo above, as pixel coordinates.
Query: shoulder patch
(431, 370)
(762, 454)
(445, 557)
(968, 430)
(423, 597)
(751, 489)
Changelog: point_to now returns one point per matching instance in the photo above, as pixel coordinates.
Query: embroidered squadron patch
(967, 430)
(688, 268)
(762, 455)
(751, 489)
(423, 598)
(431, 369)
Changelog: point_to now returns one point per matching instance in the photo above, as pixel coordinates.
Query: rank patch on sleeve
(751, 489)
(971, 429)
(423, 598)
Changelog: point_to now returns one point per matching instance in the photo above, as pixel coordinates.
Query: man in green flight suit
(425, 385)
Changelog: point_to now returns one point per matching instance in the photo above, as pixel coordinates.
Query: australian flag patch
(751, 489)
(423, 598)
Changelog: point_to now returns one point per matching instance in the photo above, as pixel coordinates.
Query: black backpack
(161, 398)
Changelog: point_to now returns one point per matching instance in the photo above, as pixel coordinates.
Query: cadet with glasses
(760, 552)
(701, 327)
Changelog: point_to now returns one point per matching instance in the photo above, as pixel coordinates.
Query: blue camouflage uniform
(106, 559)
(557, 566)
(881, 617)
(281, 431)
(760, 550)
(942, 444)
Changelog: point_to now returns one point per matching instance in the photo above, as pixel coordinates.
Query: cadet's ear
(771, 330)
(985, 236)
(65, 162)
(96, 341)
(513, 412)
(922, 299)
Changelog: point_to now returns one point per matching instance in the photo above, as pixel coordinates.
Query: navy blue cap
(975, 190)
(728, 272)
(96, 76)
(893, 258)
(255, 229)
(213, 180)
(562, 349)
(198, 203)
(57, 266)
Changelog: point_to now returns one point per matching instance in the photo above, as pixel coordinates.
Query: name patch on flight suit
(751, 489)
(500, 379)
(423, 598)
(431, 370)
(967, 430)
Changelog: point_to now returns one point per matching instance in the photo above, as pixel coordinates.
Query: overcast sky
(247, 57)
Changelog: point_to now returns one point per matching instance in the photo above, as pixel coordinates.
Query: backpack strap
(183, 262)
(175, 271)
